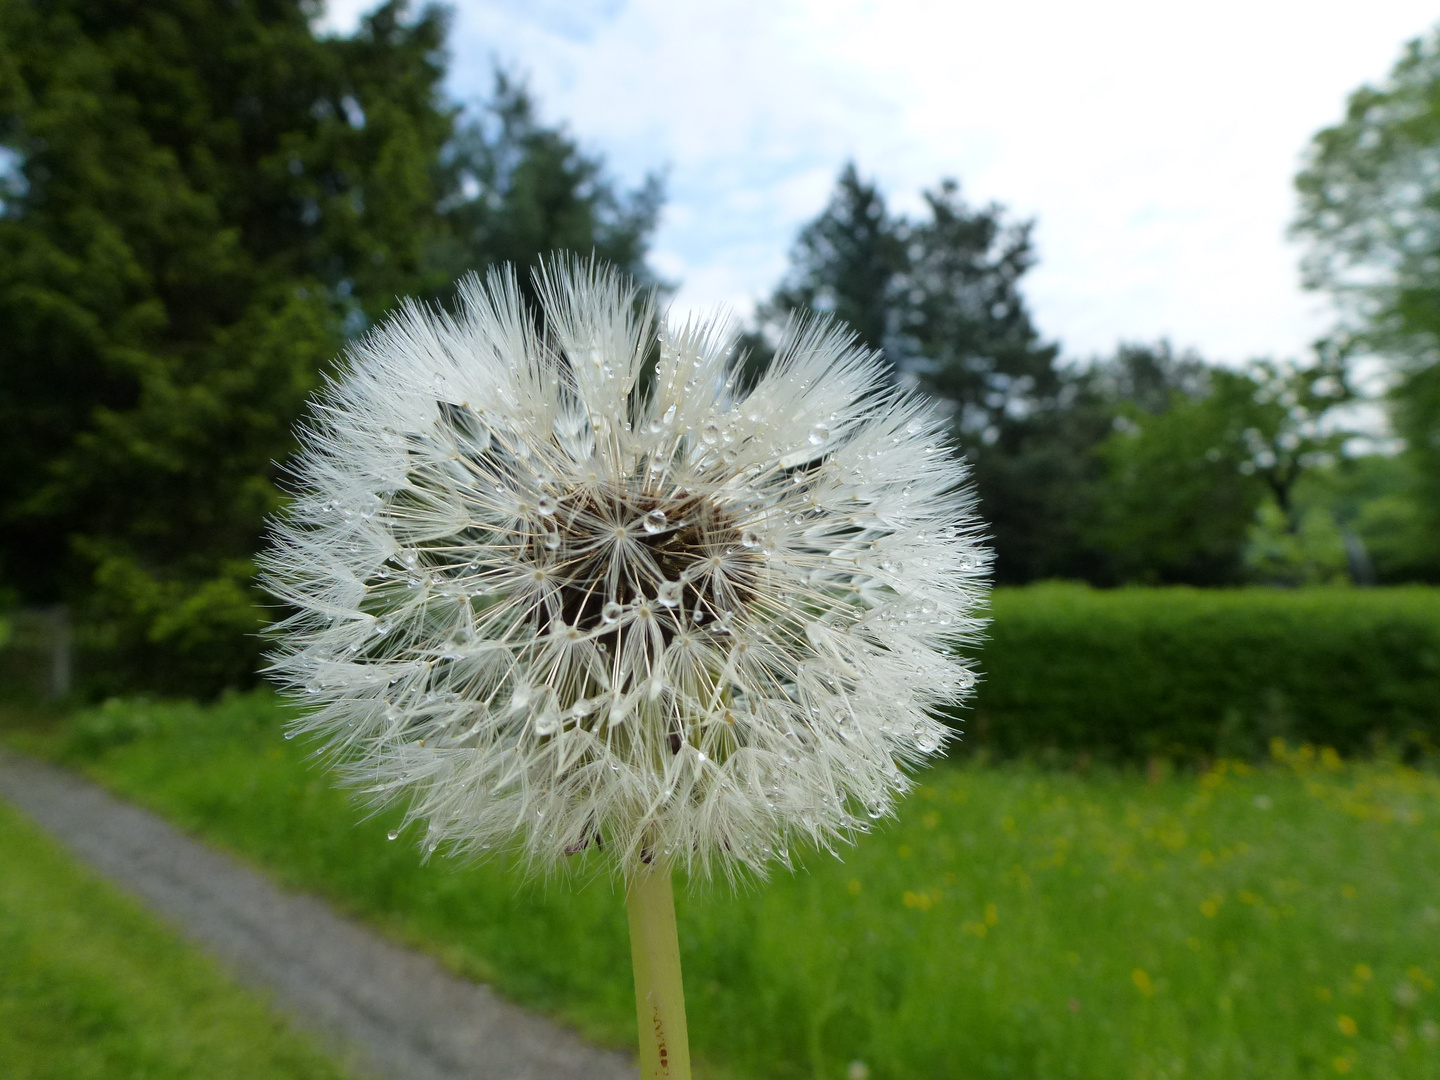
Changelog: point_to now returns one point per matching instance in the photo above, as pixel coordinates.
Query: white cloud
(1154, 143)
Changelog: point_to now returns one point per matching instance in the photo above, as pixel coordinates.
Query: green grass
(1280, 922)
(92, 988)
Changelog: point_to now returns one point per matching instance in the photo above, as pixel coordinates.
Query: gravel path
(387, 1009)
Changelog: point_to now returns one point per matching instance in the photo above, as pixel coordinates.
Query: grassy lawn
(1270, 923)
(92, 988)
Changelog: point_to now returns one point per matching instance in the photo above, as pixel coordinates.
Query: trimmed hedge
(1188, 673)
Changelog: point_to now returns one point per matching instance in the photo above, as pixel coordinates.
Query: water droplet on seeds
(669, 593)
(926, 740)
(392, 834)
(710, 433)
(552, 540)
(749, 539)
(547, 725)
(654, 521)
(819, 433)
(546, 505)
(611, 612)
(289, 735)
(669, 417)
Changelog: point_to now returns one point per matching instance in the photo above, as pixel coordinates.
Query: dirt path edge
(390, 1010)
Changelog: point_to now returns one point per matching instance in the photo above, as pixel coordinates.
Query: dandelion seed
(601, 659)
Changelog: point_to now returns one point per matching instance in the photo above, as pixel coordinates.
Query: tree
(968, 335)
(940, 298)
(1198, 451)
(205, 200)
(1177, 505)
(848, 263)
(1370, 210)
(514, 190)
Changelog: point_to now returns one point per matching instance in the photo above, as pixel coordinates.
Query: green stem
(659, 994)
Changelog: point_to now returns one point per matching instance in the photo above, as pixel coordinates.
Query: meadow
(1271, 920)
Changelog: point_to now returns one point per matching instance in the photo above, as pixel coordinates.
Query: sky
(1154, 145)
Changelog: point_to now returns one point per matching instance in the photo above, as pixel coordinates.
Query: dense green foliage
(207, 191)
(1187, 475)
(1370, 210)
(201, 201)
(93, 988)
(1130, 673)
(1272, 924)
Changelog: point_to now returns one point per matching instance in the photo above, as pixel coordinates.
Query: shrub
(1189, 673)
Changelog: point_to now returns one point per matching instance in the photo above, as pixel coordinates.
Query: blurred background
(1176, 287)
(1174, 271)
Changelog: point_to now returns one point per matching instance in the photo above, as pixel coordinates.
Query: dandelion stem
(659, 994)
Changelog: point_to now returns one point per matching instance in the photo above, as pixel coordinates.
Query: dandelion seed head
(558, 579)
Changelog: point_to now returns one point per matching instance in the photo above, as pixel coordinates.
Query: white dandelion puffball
(559, 578)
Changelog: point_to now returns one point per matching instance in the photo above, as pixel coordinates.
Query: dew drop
(392, 834)
(819, 433)
(669, 593)
(548, 724)
(927, 741)
(654, 521)
(546, 505)
(710, 433)
(669, 417)
(749, 539)
(611, 612)
(552, 540)
(289, 735)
